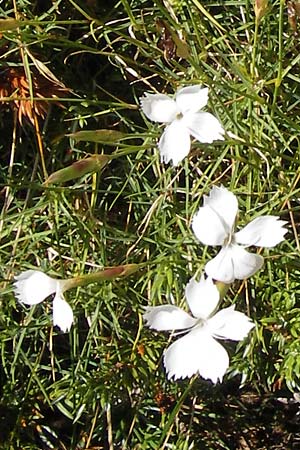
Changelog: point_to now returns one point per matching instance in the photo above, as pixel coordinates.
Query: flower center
(229, 239)
(200, 323)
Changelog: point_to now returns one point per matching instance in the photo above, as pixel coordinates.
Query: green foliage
(103, 384)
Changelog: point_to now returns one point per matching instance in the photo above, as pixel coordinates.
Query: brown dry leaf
(15, 88)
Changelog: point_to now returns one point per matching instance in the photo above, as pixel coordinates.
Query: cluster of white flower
(214, 224)
(198, 351)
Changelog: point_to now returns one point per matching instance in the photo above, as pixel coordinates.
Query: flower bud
(79, 168)
(260, 8)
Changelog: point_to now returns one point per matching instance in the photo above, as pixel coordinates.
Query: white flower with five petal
(214, 224)
(33, 286)
(184, 119)
(199, 351)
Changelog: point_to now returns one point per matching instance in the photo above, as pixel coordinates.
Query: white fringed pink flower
(214, 224)
(184, 119)
(199, 350)
(33, 286)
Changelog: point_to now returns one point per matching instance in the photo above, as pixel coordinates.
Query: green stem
(254, 48)
(171, 421)
(278, 80)
(222, 288)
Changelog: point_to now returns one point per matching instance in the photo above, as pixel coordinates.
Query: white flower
(184, 119)
(214, 224)
(32, 287)
(199, 351)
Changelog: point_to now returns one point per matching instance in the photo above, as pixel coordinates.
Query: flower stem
(222, 288)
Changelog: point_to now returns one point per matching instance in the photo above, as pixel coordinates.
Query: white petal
(167, 317)
(264, 231)
(33, 286)
(221, 267)
(230, 324)
(224, 203)
(159, 107)
(191, 98)
(204, 127)
(202, 297)
(175, 143)
(209, 227)
(197, 352)
(233, 262)
(62, 313)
